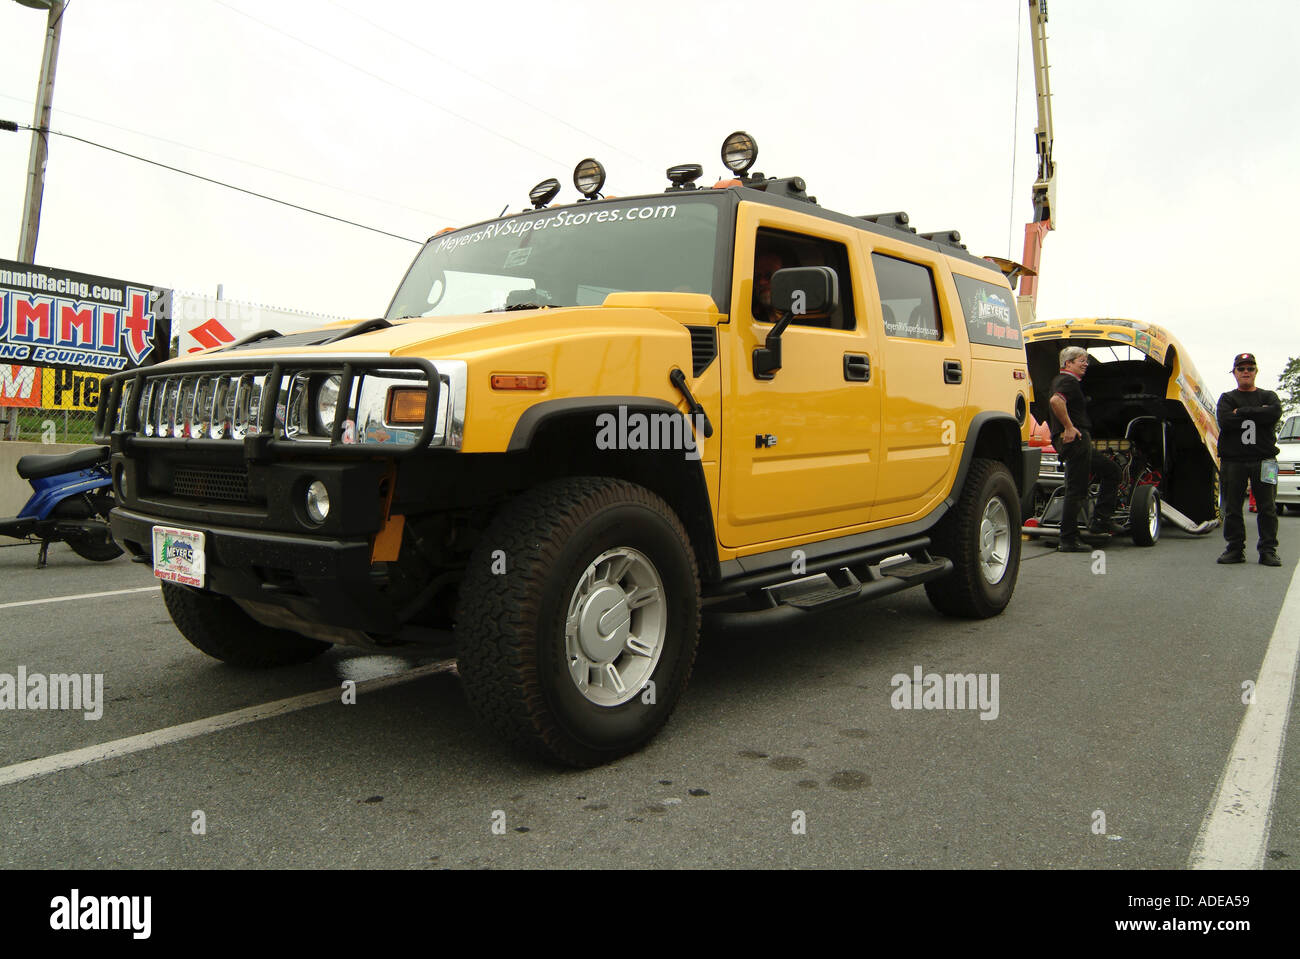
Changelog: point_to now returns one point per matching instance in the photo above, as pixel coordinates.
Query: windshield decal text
(565, 218)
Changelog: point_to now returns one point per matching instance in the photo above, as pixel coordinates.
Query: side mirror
(796, 291)
(806, 290)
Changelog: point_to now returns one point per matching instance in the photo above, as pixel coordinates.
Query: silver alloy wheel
(1153, 516)
(995, 541)
(615, 626)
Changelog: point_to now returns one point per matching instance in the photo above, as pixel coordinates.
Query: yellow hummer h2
(580, 429)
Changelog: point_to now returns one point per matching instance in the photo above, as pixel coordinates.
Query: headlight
(327, 401)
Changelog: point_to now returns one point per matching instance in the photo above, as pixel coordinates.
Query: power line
(8, 125)
(234, 159)
(487, 83)
(396, 86)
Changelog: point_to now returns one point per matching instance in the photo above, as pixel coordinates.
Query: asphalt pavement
(1119, 681)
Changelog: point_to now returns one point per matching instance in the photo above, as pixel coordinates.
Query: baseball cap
(1244, 358)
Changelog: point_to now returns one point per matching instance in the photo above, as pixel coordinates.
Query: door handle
(952, 371)
(857, 367)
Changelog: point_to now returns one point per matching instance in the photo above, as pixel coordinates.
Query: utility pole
(40, 136)
(31, 222)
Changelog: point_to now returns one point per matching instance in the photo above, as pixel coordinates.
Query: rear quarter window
(990, 313)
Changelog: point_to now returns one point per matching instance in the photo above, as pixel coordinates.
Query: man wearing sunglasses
(1248, 419)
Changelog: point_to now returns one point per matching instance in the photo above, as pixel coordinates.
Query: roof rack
(946, 237)
(792, 186)
(898, 220)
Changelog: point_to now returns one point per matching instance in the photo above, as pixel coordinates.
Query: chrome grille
(226, 404)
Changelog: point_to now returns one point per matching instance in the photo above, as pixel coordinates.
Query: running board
(787, 602)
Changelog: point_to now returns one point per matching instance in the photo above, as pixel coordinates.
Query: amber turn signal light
(518, 381)
(406, 406)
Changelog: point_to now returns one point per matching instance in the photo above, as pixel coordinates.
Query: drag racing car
(1151, 415)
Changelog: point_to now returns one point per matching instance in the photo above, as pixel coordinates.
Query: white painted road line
(201, 727)
(1235, 832)
(66, 599)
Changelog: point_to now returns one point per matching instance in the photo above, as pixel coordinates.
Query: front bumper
(319, 579)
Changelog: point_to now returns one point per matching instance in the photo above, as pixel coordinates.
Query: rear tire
(94, 544)
(215, 625)
(578, 621)
(95, 549)
(982, 538)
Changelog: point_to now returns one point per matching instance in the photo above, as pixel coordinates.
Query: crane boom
(1045, 183)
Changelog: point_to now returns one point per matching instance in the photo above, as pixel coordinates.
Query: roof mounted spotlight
(544, 192)
(739, 151)
(684, 175)
(589, 177)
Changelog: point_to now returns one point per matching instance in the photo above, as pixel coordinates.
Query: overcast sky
(1177, 136)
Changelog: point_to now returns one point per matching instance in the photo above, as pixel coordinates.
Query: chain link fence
(47, 426)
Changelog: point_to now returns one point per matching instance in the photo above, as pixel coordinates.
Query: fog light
(318, 501)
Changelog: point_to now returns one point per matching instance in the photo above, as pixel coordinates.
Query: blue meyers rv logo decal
(177, 550)
(57, 318)
(992, 308)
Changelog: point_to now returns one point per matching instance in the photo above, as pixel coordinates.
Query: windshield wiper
(523, 306)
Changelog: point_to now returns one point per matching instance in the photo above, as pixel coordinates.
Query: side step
(786, 602)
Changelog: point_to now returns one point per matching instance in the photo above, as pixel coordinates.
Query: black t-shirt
(1255, 418)
(1075, 404)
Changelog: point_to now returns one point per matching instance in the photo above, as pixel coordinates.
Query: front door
(799, 454)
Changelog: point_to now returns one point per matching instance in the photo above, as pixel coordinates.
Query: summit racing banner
(76, 321)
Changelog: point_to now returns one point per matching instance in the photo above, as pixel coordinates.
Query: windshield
(1290, 429)
(570, 257)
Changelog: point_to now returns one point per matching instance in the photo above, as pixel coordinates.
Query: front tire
(1144, 515)
(982, 538)
(579, 619)
(215, 625)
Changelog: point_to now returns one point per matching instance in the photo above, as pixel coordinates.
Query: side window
(907, 298)
(776, 250)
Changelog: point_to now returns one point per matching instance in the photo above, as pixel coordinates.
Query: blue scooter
(72, 494)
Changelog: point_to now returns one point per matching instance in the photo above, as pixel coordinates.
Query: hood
(631, 315)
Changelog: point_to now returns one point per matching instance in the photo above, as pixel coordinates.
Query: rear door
(924, 377)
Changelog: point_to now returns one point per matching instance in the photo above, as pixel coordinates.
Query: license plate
(178, 556)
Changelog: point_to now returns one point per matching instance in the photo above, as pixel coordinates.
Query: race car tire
(1144, 516)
